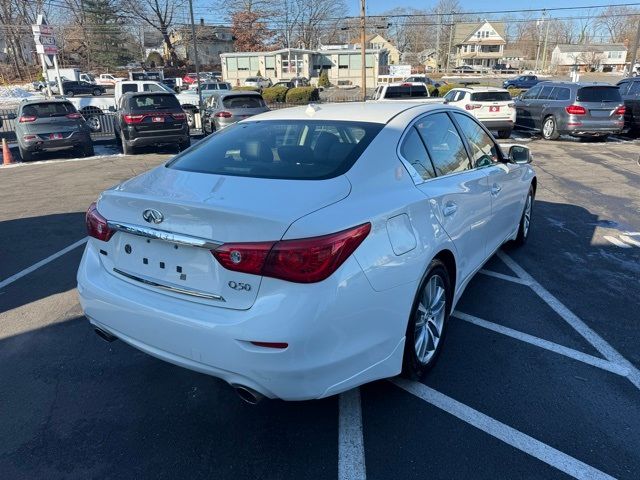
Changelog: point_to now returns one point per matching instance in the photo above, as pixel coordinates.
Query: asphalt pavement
(538, 379)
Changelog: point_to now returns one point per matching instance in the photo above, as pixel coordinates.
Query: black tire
(182, 146)
(26, 155)
(504, 133)
(97, 92)
(69, 93)
(126, 148)
(412, 365)
(191, 118)
(552, 132)
(524, 227)
(88, 150)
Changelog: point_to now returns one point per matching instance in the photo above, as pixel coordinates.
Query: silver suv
(593, 110)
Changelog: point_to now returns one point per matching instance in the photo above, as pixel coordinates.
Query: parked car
(224, 108)
(257, 82)
(269, 247)
(593, 110)
(190, 78)
(630, 93)
(417, 79)
(523, 82)
(150, 119)
(172, 84)
(284, 83)
(51, 125)
(465, 69)
(503, 68)
(494, 107)
(300, 81)
(108, 79)
(407, 92)
(71, 88)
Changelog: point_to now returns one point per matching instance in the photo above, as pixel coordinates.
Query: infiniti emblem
(152, 216)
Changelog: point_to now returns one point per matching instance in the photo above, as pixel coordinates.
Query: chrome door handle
(495, 190)
(449, 209)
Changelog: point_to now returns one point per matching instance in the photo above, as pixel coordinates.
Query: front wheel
(97, 92)
(504, 133)
(428, 321)
(69, 93)
(550, 129)
(525, 220)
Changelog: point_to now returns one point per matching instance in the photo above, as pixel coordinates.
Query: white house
(590, 57)
(478, 44)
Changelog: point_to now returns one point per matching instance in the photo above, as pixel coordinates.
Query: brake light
(224, 115)
(179, 116)
(74, 116)
(130, 119)
(576, 110)
(29, 137)
(472, 106)
(97, 226)
(620, 110)
(306, 260)
(27, 119)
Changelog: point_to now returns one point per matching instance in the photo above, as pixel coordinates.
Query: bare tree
(619, 23)
(591, 58)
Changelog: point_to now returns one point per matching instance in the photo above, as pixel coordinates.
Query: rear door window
(484, 151)
(532, 93)
(598, 94)
(445, 147)
(560, 93)
(414, 152)
(490, 97)
(545, 93)
(154, 102)
(243, 101)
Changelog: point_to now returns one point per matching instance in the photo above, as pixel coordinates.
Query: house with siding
(599, 57)
(479, 44)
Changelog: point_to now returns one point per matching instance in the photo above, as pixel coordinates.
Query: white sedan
(305, 251)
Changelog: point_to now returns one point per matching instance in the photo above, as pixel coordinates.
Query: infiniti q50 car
(306, 251)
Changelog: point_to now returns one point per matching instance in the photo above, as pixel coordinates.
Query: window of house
(255, 65)
(370, 60)
(269, 63)
(232, 64)
(243, 63)
(343, 61)
(355, 62)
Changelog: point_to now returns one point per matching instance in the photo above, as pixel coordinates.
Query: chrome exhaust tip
(247, 394)
(106, 336)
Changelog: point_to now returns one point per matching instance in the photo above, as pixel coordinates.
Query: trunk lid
(217, 208)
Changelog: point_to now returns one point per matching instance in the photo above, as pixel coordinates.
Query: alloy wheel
(526, 219)
(548, 127)
(430, 314)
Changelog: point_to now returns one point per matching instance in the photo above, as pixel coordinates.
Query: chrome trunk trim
(178, 238)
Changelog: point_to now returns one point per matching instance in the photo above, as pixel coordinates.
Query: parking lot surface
(539, 376)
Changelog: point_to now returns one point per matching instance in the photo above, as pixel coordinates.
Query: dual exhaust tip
(247, 394)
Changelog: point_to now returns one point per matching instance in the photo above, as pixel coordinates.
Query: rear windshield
(599, 94)
(412, 91)
(50, 109)
(243, 101)
(282, 149)
(491, 97)
(153, 102)
(251, 79)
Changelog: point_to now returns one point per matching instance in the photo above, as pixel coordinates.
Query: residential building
(378, 42)
(343, 65)
(599, 57)
(212, 41)
(513, 58)
(478, 44)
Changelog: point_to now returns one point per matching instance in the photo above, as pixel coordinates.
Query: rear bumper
(75, 140)
(503, 124)
(135, 140)
(340, 332)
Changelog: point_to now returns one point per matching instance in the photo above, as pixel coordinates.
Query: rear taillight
(28, 138)
(576, 110)
(307, 260)
(620, 110)
(97, 225)
(27, 119)
(472, 106)
(224, 115)
(130, 119)
(179, 116)
(74, 116)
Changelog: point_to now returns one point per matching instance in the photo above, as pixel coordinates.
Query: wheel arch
(447, 257)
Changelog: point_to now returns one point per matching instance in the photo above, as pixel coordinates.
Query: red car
(189, 78)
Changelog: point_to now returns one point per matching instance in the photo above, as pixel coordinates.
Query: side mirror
(11, 116)
(445, 101)
(112, 108)
(520, 154)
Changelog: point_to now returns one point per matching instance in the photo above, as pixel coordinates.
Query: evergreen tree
(106, 38)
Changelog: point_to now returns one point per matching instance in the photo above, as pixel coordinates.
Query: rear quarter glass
(280, 149)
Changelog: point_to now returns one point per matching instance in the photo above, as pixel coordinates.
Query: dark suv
(579, 109)
(630, 92)
(71, 88)
(51, 125)
(150, 118)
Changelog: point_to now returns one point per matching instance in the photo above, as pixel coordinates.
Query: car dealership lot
(538, 377)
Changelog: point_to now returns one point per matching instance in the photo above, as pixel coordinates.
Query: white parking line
(630, 240)
(572, 319)
(503, 432)
(547, 345)
(616, 242)
(351, 465)
(41, 263)
(509, 278)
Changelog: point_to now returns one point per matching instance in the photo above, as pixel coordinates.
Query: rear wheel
(126, 148)
(550, 129)
(428, 321)
(26, 155)
(97, 92)
(525, 220)
(504, 133)
(88, 150)
(69, 93)
(184, 145)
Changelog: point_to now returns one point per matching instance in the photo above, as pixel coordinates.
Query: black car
(630, 92)
(150, 119)
(71, 88)
(51, 125)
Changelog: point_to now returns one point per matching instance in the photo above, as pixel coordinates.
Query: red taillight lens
(74, 116)
(27, 119)
(472, 106)
(179, 116)
(29, 137)
(129, 119)
(223, 115)
(620, 110)
(576, 110)
(97, 225)
(307, 260)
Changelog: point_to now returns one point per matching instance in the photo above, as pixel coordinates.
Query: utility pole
(452, 26)
(546, 37)
(634, 57)
(363, 50)
(197, 61)
(438, 42)
(538, 22)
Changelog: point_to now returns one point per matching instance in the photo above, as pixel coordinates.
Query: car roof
(576, 84)
(224, 93)
(146, 94)
(33, 101)
(369, 112)
(480, 89)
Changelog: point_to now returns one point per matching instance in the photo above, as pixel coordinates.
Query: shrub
(275, 94)
(303, 95)
(323, 81)
(432, 89)
(258, 73)
(248, 89)
(515, 92)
